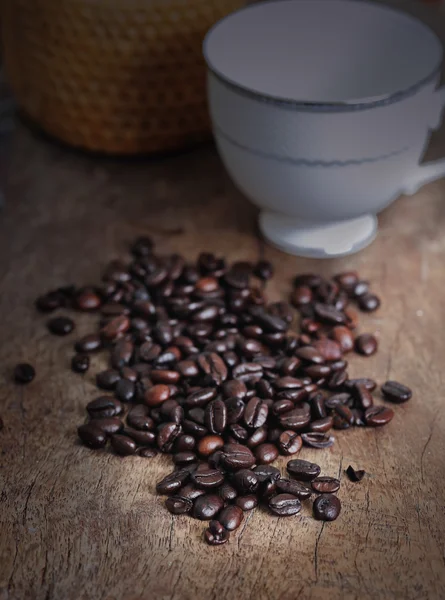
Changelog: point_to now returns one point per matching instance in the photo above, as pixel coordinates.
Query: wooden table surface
(77, 524)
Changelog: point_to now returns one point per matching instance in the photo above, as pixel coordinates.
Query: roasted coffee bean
(157, 395)
(108, 425)
(270, 323)
(194, 429)
(317, 372)
(296, 419)
(167, 435)
(172, 483)
(369, 384)
(284, 505)
(346, 279)
(123, 445)
(282, 406)
(289, 443)
(247, 502)
(231, 517)
(165, 376)
(266, 453)
(197, 414)
(206, 507)
(301, 295)
(184, 443)
(337, 379)
(239, 433)
(369, 302)
(318, 407)
(344, 338)
(216, 416)
(178, 505)
(235, 410)
(322, 425)
(142, 247)
(24, 373)
(206, 477)
(87, 299)
(188, 368)
(355, 475)
(92, 435)
(121, 354)
(60, 325)
(88, 343)
(303, 470)
(209, 444)
(327, 507)
(255, 413)
(227, 492)
(80, 363)
(245, 481)
(216, 534)
(142, 438)
(190, 492)
(138, 418)
(325, 485)
(213, 367)
(396, 392)
(366, 344)
(378, 415)
(337, 399)
(329, 314)
(125, 390)
(317, 440)
(234, 389)
(200, 397)
(104, 406)
(236, 456)
(344, 412)
(107, 380)
(362, 396)
(147, 452)
(264, 270)
(265, 472)
(329, 349)
(309, 354)
(50, 302)
(289, 486)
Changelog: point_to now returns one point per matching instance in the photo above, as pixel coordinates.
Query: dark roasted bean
(258, 437)
(363, 396)
(60, 325)
(309, 354)
(296, 419)
(378, 415)
(80, 363)
(172, 482)
(125, 390)
(325, 485)
(329, 314)
(337, 399)
(88, 343)
(236, 456)
(147, 452)
(213, 367)
(246, 502)
(235, 410)
(369, 302)
(284, 505)
(200, 397)
(209, 444)
(92, 435)
(266, 453)
(138, 417)
(104, 406)
(115, 328)
(123, 445)
(206, 507)
(216, 416)
(395, 392)
(329, 349)
(289, 486)
(184, 443)
(142, 438)
(263, 269)
(322, 425)
(344, 412)
(267, 321)
(206, 477)
(289, 443)
(107, 380)
(344, 338)
(234, 389)
(255, 413)
(227, 492)
(369, 384)
(317, 440)
(87, 299)
(366, 344)
(346, 279)
(108, 425)
(303, 470)
(24, 373)
(301, 295)
(327, 507)
(167, 436)
(245, 481)
(178, 505)
(355, 475)
(231, 517)
(318, 407)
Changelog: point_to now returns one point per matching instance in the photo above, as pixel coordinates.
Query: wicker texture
(112, 76)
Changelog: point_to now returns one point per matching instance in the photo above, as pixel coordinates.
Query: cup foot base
(316, 239)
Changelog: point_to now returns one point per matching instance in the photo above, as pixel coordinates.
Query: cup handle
(431, 171)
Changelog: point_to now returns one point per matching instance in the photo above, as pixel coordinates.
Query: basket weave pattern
(113, 76)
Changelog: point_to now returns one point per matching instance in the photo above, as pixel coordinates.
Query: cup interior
(322, 51)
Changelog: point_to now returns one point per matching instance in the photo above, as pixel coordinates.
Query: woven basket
(115, 76)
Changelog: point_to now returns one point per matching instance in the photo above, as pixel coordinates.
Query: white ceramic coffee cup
(322, 111)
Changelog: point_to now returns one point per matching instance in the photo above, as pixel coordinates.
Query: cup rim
(328, 106)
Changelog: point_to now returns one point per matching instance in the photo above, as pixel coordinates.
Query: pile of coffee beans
(202, 367)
